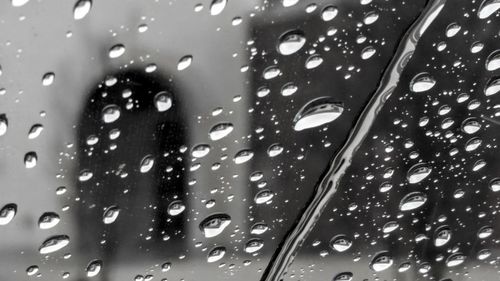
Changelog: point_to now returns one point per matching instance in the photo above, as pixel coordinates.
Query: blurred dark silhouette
(143, 227)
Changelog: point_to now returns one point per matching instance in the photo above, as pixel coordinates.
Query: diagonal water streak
(330, 181)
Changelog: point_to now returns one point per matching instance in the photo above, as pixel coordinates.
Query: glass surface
(263, 140)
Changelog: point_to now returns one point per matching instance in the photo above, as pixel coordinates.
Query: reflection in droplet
(418, 172)
(81, 9)
(381, 262)
(216, 254)
(147, 163)
(116, 51)
(317, 112)
(291, 42)
(110, 214)
(217, 7)
(7, 213)
(340, 243)
(487, 8)
(53, 244)
(30, 159)
(213, 225)
(412, 201)
(184, 62)
(220, 131)
(493, 61)
(48, 220)
(176, 208)
(163, 102)
(422, 82)
(93, 268)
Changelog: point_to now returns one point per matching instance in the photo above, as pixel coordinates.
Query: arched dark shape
(143, 228)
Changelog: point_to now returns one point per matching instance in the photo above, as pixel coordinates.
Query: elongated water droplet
(220, 131)
(340, 243)
(412, 201)
(495, 185)
(263, 196)
(176, 208)
(7, 213)
(493, 87)
(116, 51)
(184, 62)
(418, 172)
(217, 7)
(4, 124)
(483, 254)
(368, 52)
(317, 112)
(48, 220)
(314, 61)
(200, 150)
(381, 261)
(493, 61)
(147, 163)
(30, 159)
(291, 42)
(485, 232)
(343, 276)
(289, 3)
(452, 29)
(390, 227)
(32, 270)
(370, 18)
(422, 82)
(253, 245)
(35, 131)
(216, 254)
(111, 113)
(53, 244)
(213, 225)
(271, 72)
(19, 3)
(288, 89)
(81, 9)
(274, 150)
(110, 214)
(487, 8)
(329, 13)
(163, 101)
(442, 236)
(259, 228)
(85, 175)
(455, 259)
(471, 125)
(243, 156)
(93, 268)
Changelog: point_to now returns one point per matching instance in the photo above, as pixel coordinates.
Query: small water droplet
(220, 131)
(116, 51)
(18, 3)
(200, 150)
(455, 259)
(253, 245)
(263, 196)
(217, 7)
(48, 220)
(35, 131)
(368, 52)
(110, 214)
(4, 124)
(485, 232)
(93, 268)
(493, 61)
(259, 228)
(493, 87)
(176, 208)
(452, 29)
(370, 18)
(163, 102)
(243, 156)
(313, 61)
(147, 163)
(48, 78)
(289, 3)
(85, 175)
(471, 125)
(442, 236)
(7, 213)
(184, 62)
(30, 159)
(274, 150)
(32, 270)
(390, 227)
(329, 13)
(343, 276)
(271, 72)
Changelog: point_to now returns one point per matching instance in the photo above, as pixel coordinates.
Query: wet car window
(263, 140)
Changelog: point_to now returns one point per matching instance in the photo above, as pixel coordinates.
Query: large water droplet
(48, 220)
(85, 175)
(93, 268)
(493, 61)
(220, 131)
(147, 163)
(455, 259)
(271, 72)
(263, 196)
(48, 78)
(329, 13)
(493, 87)
(495, 185)
(216, 254)
(35, 131)
(30, 159)
(253, 245)
(259, 228)
(340, 243)
(32, 270)
(343, 276)
(412, 201)
(289, 3)
(274, 150)
(471, 125)
(7, 213)
(110, 113)
(442, 236)
(487, 8)
(317, 112)
(217, 7)
(381, 261)
(81, 9)
(313, 61)
(110, 214)
(390, 227)
(176, 208)
(213, 225)
(370, 18)
(53, 244)
(291, 42)
(243, 156)
(19, 3)
(116, 51)
(422, 82)
(368, 52)
(485, 232)
(418, 172)
(184, 62)
(163, 102)
(200, 150)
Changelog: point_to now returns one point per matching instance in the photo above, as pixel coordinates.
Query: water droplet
(243, 156)
(116, 51)
(32, 270)
(217, 7)
(412, 201)
(289, 3)
(110, 214)
(4, 124)
(53, 244)
(404, 267)
(19, 3)
(35, 131)
(48, 220)
(220, 131)
(422, 82)
(487, 8)
(81, 9)
(85, 175)
(493, 87)
(418, 172)
(370, 18)
(390, 227)
(216, 254)
(110, 113)
(259, 228)
(263, 196)
(317, 112)
(340, 243)
(30, 159)
(166, 267)
(200, 150)
(455, 260)
(271, 72)
(485, 232)
(288, 89)
(274, 150)
(471, 125)
(314, 61)
(476, 47)
(368, 52)
(147, 163)
(493, 61)
(184, 62)
(343, 276)
(329, 13)
(424, 268)
(176, 208)
(452, 29)
(253, 245)
(381, 262)
(93, 268)
(7, 213)
(163, 102)
(48, 78)
(483, 254)
(213, 225)
(495, 185)
(291, 42)
(442, 236)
